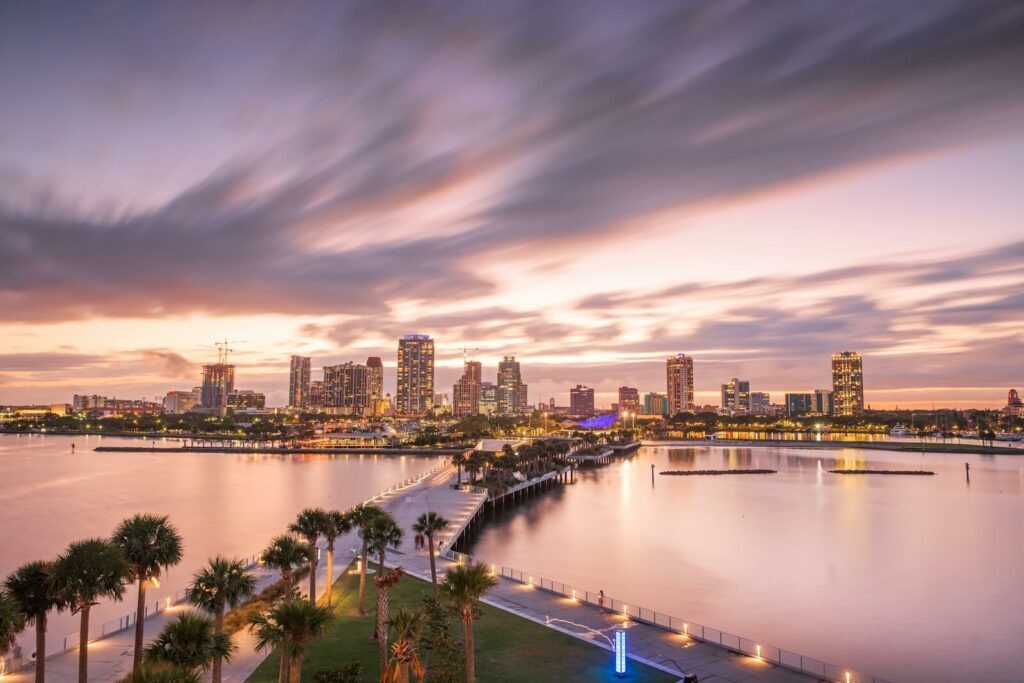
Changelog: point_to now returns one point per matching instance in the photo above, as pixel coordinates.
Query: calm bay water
(906, 578)
(221, 503)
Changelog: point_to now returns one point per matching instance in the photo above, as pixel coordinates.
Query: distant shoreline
(898, 447)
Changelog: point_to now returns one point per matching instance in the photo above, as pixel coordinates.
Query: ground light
(620, 652)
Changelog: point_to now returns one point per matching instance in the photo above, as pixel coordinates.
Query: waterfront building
(466, 392)
(442, 404)
(179, 401)
(298, 382)
(629, 400)
(1014, 405)
(511, 390)
(247, 399)
(317, 396)
(218, 382)
(347, 387)
(799, 404)
(488, 398)
(679, 380)
(655, 404)
(581, 401)
(847, 383)
(375, 367)
(85, 403)
(736, 397)
(415, 395)
(760, 403)
(823, 403)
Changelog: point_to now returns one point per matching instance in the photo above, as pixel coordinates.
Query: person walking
(600, 599)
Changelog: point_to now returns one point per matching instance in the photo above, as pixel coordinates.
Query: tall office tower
(511, 390)
(488, 398)
(415, 395)
(823, 404)
(760, 402)
(799, 404)
(679, 375)
(347, 386)
(317, 395)
(298, 382)
(629, 400)
(847, 383)
(736, 397)
(376, 368)
(218, 382)
(581, 401)
(466, 392)
(655, 403)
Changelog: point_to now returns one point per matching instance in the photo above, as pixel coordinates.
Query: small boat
(899, 430)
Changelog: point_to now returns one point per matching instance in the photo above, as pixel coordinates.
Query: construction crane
(223, 349)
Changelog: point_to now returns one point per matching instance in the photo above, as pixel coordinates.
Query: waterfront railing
(691, 629)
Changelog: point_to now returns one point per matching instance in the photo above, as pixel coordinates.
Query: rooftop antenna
(466, 355)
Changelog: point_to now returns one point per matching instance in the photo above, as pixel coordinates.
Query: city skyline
(587, 206)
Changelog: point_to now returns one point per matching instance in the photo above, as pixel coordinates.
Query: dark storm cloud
(576, 117)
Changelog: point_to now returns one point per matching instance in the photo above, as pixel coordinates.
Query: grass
(508, 648)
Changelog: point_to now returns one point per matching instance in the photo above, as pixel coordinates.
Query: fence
(733, 643)
(116, 625)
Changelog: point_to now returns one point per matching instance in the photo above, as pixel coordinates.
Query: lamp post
(620, 652)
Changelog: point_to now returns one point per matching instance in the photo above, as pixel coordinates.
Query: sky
(589, 186)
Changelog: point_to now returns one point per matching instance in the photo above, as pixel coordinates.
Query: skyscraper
(760, 403)
(655, 403)
(629, 400)
(298, 382)
(799, 404)
(488, 398)
(679, 376)
(823, 403)
(346, 387)
(581, 401)
(736, 397)
(376, 369)
(466, 392)
(511, 390)
(218, 382)
(415, 394)
(847, 383)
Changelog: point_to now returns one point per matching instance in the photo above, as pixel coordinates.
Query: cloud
(170, 364)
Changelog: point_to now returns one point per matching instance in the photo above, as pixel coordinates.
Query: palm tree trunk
(140, 620)
(382, 633)
(433, 568)
(282, 668)
(296, 675)
(312, 578)
(218, 627)
(83, 647)
(467, 629)
(362, 581)
(41, 647)
(286, 575)
(330, 570)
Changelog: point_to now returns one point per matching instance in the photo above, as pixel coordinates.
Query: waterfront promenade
(895, 446)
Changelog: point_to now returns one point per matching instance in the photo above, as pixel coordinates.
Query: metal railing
(733, 643)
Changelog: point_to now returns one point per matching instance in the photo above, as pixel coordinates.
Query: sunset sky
(590, 186)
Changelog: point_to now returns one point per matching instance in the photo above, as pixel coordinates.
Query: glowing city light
(620, 652)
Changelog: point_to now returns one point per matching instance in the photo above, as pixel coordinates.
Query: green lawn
(508, 648)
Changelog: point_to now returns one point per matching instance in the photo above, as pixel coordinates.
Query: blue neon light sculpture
(598, 422)
(620, 652)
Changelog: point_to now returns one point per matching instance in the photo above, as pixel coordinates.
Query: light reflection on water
(229, 504)
(906, 578)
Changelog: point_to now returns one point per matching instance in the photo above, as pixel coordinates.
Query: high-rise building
(629, 400)
(466, 392)
(375, 366)
(847, 383)
(736, 397)
(298, 382)
(760, 403)
(679, 375)
(218, 382)
(511, 390)
(488, 398)
(655, 404)
(317, 395)
(415, 395)
(799, 404)
(246, 399)
(179, 401)
(347, 386)
(823, 403)
(581, 401)
(84, 403)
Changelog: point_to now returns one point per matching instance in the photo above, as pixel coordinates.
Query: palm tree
(12, 621)
(29, 587)
(220, 584)
(270, 636)
(361, 516)
(83, 574)
(385, 582)
(382, 533)
(152, 672)
(459, 459)
(465, 585)
(405, 659)
(338, 523)
(291, 624)
(311, 524)
(284, 554)
(428, 524)
(150, 543)
(190, 643)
